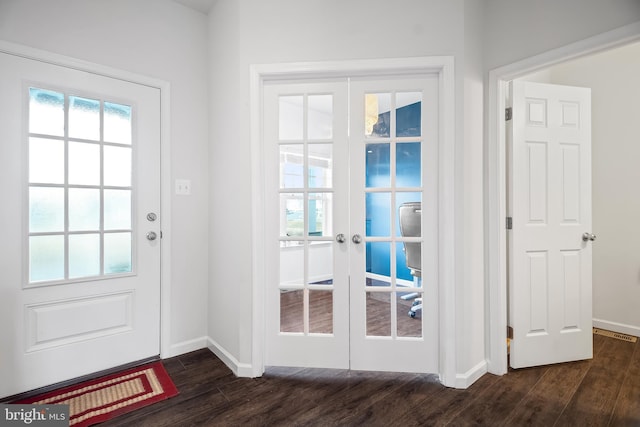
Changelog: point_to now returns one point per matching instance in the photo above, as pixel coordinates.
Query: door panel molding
(443, 66)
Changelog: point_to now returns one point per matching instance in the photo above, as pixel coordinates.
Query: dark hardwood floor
(604, 391)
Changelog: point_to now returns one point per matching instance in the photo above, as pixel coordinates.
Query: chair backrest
(410, 215)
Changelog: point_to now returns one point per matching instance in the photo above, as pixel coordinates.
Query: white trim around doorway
(166, 350)
(496, 190)
(444, 67)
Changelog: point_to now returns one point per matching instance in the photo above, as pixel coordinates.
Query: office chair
(410, 215)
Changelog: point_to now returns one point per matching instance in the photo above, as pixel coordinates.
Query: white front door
(80, 223)
(341, 157)
(550, 203)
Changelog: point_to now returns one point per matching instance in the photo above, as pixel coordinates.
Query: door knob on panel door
(588, 237)
(357, 239)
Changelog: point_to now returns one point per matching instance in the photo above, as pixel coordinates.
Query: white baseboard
(244, 370)
(472, 375)
(186, 347)
(617, 327)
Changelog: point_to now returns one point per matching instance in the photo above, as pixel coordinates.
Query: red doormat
(104, 398)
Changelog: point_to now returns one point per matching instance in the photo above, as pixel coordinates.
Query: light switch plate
(183, 187)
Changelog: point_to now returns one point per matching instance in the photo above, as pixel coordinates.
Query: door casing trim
(443, 66)
(495, 187)
(165, 162)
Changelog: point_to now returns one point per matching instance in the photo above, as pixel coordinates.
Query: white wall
(615, 90)
(164, 40)
(518, 29)
(245, 32)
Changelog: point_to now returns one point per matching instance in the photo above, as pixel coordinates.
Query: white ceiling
(203, 6)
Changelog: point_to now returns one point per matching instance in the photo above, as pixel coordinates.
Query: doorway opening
(441, 68)
(496, 166)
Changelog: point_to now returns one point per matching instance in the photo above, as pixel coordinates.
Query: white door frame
(165, 163)
(496, 194)
(444, 67)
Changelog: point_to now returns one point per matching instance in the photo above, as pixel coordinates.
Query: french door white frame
(165, 163)
(443, 66)
(496, 190)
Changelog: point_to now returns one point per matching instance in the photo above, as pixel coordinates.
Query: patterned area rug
(104, 398)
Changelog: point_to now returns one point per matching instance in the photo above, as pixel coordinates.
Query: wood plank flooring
(604, 391)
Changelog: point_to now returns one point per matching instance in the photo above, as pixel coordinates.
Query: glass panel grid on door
(80, 189)
(392, 141)
(306, 213)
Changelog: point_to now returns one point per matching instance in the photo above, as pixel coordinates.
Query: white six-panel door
(80, 173)
(550, 203)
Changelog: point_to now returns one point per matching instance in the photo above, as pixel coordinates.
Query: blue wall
(378, 205)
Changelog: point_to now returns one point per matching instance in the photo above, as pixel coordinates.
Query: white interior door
(306, 165)
(341, 157)
(550, 203)
(80, 281)
(394, 164)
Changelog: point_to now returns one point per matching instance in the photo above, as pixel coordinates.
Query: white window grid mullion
(305, 207)
(392, 216)
(66, 187)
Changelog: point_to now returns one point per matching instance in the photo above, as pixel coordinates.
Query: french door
(343, 159)
(80, 223)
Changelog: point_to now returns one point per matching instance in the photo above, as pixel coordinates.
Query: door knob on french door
(151, 235)
(340, 238)
(588, 237)
(356, 238)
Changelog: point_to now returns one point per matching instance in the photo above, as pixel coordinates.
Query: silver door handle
(151, 235)
(356, 238)
(340, 238)
(588, 237)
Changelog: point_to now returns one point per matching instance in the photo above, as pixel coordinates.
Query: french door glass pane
(291, 118)
(85, 212)
(84, 255)
(408, 113)
(46, 161)
(409, 327)
(84, 163)
(292, 264)
(46, 209)
(84, 118)
(408, 198)
(292, 166)
(292, 214)
(320, 117)
(320, 161)
(320, 263)
(46, 112)
(321, 312)
(377, 119)
(378, 315)
(408, 168)
(117, 123)
(378, 214)
(117, 166)
(292, 310)
(117, 209)
(320, 208)
(117, 253)
(378, 165)
(46, 258)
